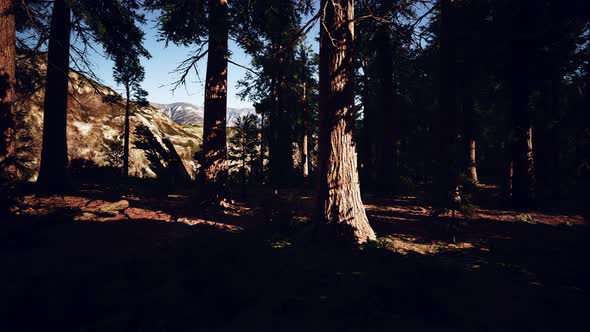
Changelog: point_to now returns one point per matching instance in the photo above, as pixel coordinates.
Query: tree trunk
(468, 120)
(7, 90)
(387, 125)
(554, 140)
(126, 133)
(53, 173)
(523, 178)
(446, 172)
(261, 166)
(304, 143)
(214, 129)
(340, 206)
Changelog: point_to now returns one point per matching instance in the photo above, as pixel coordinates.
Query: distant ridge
(192, 115)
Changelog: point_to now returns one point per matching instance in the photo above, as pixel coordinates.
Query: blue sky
(159, 71)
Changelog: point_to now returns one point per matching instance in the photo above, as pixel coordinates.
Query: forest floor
(138, 258)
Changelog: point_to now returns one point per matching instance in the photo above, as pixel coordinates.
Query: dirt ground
(140, 258)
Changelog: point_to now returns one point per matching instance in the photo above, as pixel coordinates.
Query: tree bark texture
(53, 172)
(339, 201)
(7, 89)
(214, 129)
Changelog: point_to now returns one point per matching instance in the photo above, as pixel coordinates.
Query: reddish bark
(339, 201)
(214, 129)
(7, 88)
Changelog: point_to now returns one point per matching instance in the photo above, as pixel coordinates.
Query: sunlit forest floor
(130, 258)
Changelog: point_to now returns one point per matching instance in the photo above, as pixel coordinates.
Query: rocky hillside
(95, 127)
(189, 114)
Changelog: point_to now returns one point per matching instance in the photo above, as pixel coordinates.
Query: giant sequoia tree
(7, 87)
(339, 201)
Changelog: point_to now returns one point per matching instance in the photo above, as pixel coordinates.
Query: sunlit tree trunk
(7, 89)
(126, 132)
(53, 173)
(214, 128)
(340, 206)
(445, 174)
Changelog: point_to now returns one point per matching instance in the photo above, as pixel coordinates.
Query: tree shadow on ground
(145, 275)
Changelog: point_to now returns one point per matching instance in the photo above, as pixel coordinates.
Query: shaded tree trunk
(387, 125)
(340, 206)
(214, 129)
(468, 120)
(261, 157)
(53, 172)
(445, 174)
(554, 137)
(281, 154)
(126, 133)
(304, 142)
(7, 89)
(523, 175)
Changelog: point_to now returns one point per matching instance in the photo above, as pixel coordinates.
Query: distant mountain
(191, 115)
(92, 123)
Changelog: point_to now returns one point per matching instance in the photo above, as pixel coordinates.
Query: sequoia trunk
(340, 206)
(214, 129)
(53, 173)
(7, 89)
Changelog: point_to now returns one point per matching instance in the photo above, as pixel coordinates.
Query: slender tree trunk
(368, 171)
(273, 144)
(7, 90)
(304, 143)
(554, 144)
(386, 167)
(214, 130)
(339, 201)
(261, 147)
(126, 133)
(468, 120)
(446, 173)
(53, 173)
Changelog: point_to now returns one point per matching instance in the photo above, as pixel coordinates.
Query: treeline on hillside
(437, 93)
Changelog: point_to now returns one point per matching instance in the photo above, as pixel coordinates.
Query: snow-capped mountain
(189, 114)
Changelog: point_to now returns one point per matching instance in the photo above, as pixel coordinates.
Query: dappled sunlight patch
(404, 244)
(218, 225)
(134, 213)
